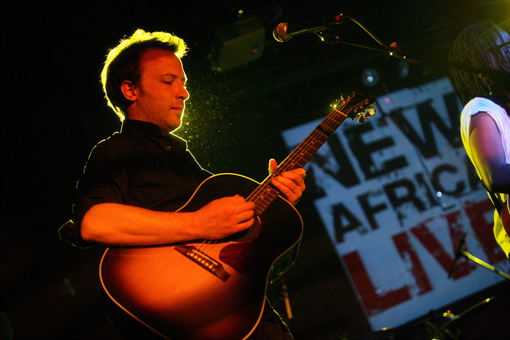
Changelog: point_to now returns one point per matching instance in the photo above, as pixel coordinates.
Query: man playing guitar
(136, 180)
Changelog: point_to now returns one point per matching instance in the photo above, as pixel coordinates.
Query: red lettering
(374, 303)
(484, 229)
(429, 241)
(407, 253)
(464, 266)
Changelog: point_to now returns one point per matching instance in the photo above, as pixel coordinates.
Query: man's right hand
(224, 217)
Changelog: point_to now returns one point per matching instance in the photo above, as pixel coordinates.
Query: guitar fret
(327, 133)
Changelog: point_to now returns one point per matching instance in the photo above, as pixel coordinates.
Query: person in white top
(485, 119)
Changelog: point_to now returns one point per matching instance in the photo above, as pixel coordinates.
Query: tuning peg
(362, 116)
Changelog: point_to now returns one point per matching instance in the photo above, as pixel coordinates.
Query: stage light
(402, 69)
(370, 77)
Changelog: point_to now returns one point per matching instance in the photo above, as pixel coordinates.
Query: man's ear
(129, 90)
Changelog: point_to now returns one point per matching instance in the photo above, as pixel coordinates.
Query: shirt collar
(141, 130)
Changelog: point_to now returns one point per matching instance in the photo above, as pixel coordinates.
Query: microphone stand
(483, 264)
(462, 252)
(499, 77)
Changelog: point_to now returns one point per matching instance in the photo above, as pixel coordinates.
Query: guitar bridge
(204, 261)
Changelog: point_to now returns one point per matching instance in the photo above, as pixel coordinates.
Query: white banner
(396, 195)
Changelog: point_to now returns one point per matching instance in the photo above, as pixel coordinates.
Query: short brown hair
(123, 63)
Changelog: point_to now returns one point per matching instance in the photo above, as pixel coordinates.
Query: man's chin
(174, 127)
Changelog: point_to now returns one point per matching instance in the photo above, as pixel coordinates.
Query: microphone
(284, 31)
(457, 255)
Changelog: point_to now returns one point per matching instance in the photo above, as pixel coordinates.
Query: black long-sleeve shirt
(139, 167)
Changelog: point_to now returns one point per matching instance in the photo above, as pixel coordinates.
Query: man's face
(162, 93)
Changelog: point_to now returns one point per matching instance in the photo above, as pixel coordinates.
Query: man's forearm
(118, 224)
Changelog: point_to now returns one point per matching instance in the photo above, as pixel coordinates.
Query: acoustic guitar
(216, 289)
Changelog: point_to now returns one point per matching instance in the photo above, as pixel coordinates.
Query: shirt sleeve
(104, 178)
(497, 113)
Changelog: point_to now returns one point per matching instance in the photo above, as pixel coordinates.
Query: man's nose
(183, 93)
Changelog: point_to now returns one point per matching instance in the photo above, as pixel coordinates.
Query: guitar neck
(312, 143)
(265, 194)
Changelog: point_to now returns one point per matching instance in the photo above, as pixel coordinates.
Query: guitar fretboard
(265, 193)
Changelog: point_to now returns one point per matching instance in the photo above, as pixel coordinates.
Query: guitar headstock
(355, 106)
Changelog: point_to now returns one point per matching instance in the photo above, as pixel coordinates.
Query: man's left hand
(290, 183)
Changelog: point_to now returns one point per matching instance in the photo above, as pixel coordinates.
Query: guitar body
(200, 290)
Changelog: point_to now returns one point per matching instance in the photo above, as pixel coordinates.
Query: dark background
(53, 113)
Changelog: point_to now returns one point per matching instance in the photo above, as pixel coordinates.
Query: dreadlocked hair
(474, 46)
